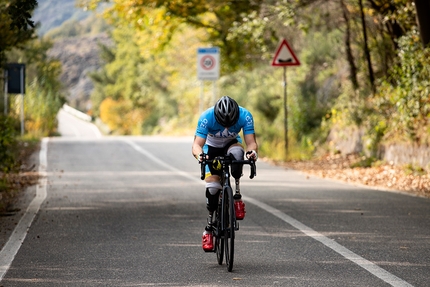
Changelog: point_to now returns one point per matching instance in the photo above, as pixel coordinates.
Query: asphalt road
(130, 211)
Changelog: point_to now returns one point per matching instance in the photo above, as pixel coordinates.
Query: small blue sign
(213, 50)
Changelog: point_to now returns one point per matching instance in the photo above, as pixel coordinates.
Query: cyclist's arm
(251, 143)
(198, 144)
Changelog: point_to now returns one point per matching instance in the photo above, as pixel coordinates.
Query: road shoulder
(9, 220)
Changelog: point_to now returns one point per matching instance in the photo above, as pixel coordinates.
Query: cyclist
(217, 134)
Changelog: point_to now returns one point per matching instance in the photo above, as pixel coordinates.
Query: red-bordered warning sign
(285, 56)
(207, 62)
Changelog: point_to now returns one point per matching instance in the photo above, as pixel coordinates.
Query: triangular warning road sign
(285, 56)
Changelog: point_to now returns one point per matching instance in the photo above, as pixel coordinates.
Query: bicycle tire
(219, 238)
(229, 227)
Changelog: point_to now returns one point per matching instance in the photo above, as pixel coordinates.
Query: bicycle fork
(223, 206)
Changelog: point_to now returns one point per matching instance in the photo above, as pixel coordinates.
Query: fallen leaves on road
(15, 183)
(382, 175)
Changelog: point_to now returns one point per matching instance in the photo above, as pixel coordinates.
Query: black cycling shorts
(215, 151)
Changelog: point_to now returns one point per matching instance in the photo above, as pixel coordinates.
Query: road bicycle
(225, 224)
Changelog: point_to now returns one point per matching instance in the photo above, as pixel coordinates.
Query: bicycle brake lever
(202, 169)
(253, 170)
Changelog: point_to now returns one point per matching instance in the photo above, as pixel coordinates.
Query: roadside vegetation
(364, 66)
(43, 99)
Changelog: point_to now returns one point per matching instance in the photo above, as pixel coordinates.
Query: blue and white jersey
(218, 136)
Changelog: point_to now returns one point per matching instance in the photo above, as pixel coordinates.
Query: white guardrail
(76, 113)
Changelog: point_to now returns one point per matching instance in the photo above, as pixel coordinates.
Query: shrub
(7, 144)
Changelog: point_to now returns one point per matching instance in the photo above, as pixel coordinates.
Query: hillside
(78, 55)
(77, 50)
(52, 13)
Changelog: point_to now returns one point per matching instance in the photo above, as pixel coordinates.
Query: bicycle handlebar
(224, 159)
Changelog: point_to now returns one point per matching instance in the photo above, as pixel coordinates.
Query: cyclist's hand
(252, 154)
(202, 157)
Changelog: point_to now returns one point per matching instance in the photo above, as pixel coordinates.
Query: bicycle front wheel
(229, 227)
(219, 238)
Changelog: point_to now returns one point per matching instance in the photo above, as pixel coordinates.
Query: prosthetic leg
(236, 171)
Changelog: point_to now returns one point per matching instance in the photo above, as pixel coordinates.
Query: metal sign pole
(201, 97)
(285, 113)
(22, 101)
(5, 92)
(214, 97)
(284, 56)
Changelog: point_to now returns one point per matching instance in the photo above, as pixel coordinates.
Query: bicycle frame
(224, 233)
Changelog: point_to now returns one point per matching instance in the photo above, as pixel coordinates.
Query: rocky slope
(79, 56)
(53, 13)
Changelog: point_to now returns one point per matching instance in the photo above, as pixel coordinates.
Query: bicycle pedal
(237, 226)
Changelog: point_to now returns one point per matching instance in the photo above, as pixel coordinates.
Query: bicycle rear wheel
(229, 227)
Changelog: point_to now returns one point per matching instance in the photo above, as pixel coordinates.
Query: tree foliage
(405, 95)
(42, 100)
(16, 26)
(7, 144)
(360, 64)
(217, 18)
(18, 44)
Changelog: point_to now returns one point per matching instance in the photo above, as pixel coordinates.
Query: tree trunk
(366, 48)
(349, 55)
(423, 8)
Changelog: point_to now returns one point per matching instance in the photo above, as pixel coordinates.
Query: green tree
(216, 17)
(120, 81)
(16, 26)
(353, 62)
(404, 95)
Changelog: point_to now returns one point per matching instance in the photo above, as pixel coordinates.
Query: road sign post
(208, 68)
(284, 56)
(5, 91)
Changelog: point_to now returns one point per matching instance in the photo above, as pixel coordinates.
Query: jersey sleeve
(202, 125)
(248, 124)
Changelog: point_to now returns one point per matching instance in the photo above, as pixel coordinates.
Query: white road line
(9, 251)
(160, 162)
(7, 254)
(346, 253)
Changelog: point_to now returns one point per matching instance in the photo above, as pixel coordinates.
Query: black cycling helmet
(226, 111)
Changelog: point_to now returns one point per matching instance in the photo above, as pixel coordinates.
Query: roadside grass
(20, 174)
